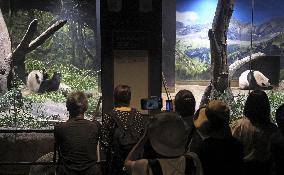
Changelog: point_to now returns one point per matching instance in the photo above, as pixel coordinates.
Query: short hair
(77, 103)
(257, 107)
(122, 95)
(185, 103)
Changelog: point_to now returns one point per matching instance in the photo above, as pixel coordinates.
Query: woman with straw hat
(167, 135)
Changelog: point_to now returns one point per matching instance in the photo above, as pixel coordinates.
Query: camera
(151, 103)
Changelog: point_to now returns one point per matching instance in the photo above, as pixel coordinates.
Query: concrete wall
(23, 148)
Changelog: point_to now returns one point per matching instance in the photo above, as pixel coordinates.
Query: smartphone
(151, 103)
(169, 105)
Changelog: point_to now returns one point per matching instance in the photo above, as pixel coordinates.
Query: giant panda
(34, 80)
(52, 84)
(37, 81)
(253, 79)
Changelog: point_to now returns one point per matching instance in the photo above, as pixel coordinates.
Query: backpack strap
(113, 115)
(193, 164)
(131, 121)
(189, 139)
(189, 166)
(155, 166)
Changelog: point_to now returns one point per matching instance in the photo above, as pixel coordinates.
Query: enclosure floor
(197, 91)
(52, 108)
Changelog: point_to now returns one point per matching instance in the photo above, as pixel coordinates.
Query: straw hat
(214, 119)
(168, 134)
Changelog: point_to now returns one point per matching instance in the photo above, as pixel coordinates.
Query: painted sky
(202, 11)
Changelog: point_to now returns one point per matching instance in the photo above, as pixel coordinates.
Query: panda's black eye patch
(37, 78)
(263, 84)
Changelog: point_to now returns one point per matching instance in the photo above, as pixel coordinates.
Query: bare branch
(46, 34)
(24, 44)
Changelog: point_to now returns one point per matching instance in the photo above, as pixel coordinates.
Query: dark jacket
(256, 139)
(277, 149)
(77, 141)
(194, 139)
(129, 119)
(221, 156)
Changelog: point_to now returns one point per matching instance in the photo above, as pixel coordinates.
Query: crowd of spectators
(184, 141)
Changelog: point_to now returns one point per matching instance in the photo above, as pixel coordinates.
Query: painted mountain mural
(194, 19)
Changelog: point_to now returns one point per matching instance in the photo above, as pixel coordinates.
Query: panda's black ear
(45, 75)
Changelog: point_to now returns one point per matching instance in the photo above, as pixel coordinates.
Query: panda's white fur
(34, 80)
(261, 80)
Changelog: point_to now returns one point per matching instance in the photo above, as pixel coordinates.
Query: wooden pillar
(131, 28)
(169, 41)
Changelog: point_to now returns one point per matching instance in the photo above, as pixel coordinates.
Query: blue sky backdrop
(202, 11)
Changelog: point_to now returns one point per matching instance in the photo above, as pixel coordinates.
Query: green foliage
(237, 107)
(188, 68)
(237, 103)
(16, 111)
(55, 96)
(276, 98)
(70, 51)
(19, 112)
(77, 79)
(74, 43)
(19, 21)
(31, 64)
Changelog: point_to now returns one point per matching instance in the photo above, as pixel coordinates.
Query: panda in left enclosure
(37, 81)
(48, 85)
(34, 80)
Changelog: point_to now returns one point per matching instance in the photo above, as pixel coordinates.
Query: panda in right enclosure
(253, 79)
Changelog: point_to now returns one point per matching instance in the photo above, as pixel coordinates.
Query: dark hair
(77, 103)
(279, 116)
(185, 103)
(257, 107)
(122, 95)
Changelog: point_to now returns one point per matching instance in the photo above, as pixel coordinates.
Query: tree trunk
(80, 46)
(5, 51)
(73, 37)
(218, 48)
